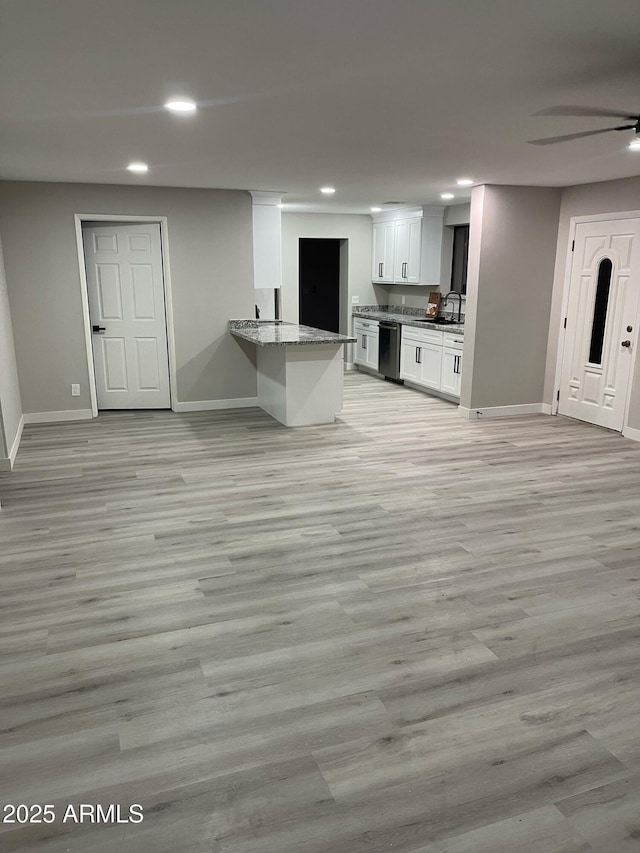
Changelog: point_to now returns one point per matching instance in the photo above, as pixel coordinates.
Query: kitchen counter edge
(274, 334)
(408, 320)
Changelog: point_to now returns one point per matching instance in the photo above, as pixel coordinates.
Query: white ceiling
(385, 99)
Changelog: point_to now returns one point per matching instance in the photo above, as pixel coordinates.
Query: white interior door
(601, 336)
(127, 310)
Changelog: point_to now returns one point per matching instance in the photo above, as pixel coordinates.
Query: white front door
(127, 310)
(601, 334)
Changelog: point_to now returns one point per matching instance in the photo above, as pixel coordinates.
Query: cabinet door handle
(419, 355)
(364, 342)
(380, 270)
(404, 270)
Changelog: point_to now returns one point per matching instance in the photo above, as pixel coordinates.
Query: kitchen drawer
(453, 340)
(422, 336)
(369, 326)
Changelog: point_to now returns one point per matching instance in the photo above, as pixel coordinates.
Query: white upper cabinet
(267, 239)
(407, 246)
(408, 250)
(384, 244)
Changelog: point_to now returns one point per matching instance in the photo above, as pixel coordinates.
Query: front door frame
(573, 222)
(79, 218)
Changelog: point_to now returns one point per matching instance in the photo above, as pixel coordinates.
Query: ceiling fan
(590, 112)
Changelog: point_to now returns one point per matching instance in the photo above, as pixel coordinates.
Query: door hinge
(565, 322)
(573, 245)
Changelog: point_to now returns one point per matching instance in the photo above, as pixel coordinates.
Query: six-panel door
(127, 312)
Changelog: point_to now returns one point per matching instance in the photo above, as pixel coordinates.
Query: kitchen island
(300, 370)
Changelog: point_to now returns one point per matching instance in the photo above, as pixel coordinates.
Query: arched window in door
(600, 311)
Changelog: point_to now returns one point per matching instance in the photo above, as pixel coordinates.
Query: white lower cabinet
(431, 359)
(451, 371)
(367, 334)
(409, 364)
(431, 365)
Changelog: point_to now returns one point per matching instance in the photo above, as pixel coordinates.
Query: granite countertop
(274, 333)
(407, 319)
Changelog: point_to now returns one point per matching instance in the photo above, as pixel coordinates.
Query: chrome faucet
(448, 299)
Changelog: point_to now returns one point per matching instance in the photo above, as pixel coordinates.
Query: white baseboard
(503, 411)
(630, 432)
(213, 405)
(55, 417)
(547, 409)
(13, 450)
(349, 365)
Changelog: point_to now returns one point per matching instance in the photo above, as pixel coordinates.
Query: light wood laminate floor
(403, 632)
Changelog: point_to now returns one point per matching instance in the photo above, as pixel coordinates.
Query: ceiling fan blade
(567, 137)
(588, 112)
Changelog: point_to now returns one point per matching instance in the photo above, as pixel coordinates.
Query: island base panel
(301, 386)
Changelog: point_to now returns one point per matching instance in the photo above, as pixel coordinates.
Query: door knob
(626, 343)
(98, 329)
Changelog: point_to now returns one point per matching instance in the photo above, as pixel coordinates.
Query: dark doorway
(319, 283)
(460, 258)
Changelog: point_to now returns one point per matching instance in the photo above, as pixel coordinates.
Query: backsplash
(396, 309)
(415, 297)
(402, 309)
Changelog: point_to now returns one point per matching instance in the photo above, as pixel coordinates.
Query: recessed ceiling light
(181, 105)
(376, 209)
(634, 145)
(464, 182)
(446, 196)
(138, 168)
(327, 190)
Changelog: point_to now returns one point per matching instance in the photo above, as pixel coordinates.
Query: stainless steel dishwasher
(389, 351)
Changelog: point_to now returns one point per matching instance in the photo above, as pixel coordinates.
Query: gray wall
(511, 267)
(355, 257)
(357, 229)
(588, 199)
(211, 263)
(457, 214)
(471, 303)
(10, 404)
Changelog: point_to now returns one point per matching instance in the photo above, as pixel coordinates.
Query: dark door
(319, 283)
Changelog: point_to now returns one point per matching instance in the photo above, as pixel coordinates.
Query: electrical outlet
(75, 390)
(355, 300)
